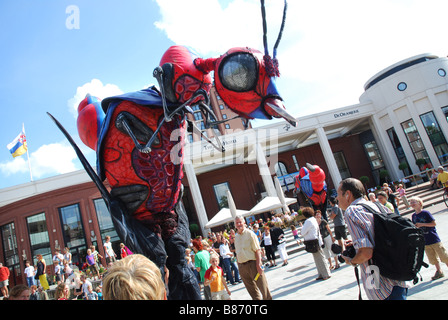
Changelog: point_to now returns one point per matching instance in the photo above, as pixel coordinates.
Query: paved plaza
(296, 281)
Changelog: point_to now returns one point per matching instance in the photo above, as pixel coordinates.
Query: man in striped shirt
(360, 225)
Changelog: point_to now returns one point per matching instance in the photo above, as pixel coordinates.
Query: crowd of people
(241, 254)
(65, 273)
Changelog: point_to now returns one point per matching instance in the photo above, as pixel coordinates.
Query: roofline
(395, 65)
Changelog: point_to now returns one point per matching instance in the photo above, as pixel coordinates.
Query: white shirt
(85, 286)
(310, 230)
(109, 250)
(29, 271)
(59, 258)
(267, 239)
(224, 250)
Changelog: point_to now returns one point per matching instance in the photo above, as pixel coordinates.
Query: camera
(349, 252)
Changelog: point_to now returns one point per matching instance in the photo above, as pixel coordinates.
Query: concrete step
(423, 191)
(429, 197)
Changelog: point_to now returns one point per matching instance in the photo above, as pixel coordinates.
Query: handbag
(311, 246)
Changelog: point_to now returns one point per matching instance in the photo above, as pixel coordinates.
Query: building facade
(400, 118)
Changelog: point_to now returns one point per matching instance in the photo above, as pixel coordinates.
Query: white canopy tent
(270, 203)
(226, 215)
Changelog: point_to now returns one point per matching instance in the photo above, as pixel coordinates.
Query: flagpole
(27, 154)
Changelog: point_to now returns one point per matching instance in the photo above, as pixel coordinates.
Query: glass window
(104, 220)
(280, 169)
(224, 116)
(342, 164)
(436, 136)
(9, 241)
(445, 112)
(38, 233)
(221, 194)
(373, 153)
(73, 232)
(402, 86)
(413, 136)
(221, 106)
(105, 224)
(396, 144)
(295, 162)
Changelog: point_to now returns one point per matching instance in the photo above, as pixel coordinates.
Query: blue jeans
(398, 293)
(30, 281)
(228, 267)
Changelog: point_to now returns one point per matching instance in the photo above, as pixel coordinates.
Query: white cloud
(59, 157)
(95, 88)
(329, 49)
(47, 160)
(211, 29)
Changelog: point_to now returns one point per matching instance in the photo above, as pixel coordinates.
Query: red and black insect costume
(139, 140)
(310, 182)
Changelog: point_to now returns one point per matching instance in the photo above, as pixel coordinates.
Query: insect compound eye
(239, 72)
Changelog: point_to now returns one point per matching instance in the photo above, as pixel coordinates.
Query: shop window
(415, 141)
(105, 221)
(374, 156)
(11, 253)
(399, 152)
(73, 232)
(221, 194)
(280, 169)
(9, 242)
(436, 136)
(445, 112)
(342, 164)
(38, 234)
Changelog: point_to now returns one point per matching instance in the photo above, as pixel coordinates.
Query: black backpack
(399, 245)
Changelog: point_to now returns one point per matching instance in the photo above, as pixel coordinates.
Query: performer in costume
(142, 159)
(310, 182)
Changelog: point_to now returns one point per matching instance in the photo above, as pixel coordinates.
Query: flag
(18, 146)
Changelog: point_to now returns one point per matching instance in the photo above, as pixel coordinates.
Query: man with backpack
(360, 223)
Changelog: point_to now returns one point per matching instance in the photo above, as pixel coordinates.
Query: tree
(420, 162)
(403, 166)
(365, 180)
(384, 175)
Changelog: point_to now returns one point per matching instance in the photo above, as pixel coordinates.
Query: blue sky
(328, 51)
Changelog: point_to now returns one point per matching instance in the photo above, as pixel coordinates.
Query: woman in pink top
(402, 195)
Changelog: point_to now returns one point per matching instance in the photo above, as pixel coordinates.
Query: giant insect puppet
(310, 182)
(133, 138)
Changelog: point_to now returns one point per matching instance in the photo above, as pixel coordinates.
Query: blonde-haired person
(214, 277)
(434, 249)
(134, 278)
(62, 292)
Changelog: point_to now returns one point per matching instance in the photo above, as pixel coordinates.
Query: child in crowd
(214, 277)
(91, 295)
(99, 292)
(57, 271)
(96, 254)
(93, 266)
(68, 271)
(434, 248)
(29, 271)
(295, 233)
(402, 195)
